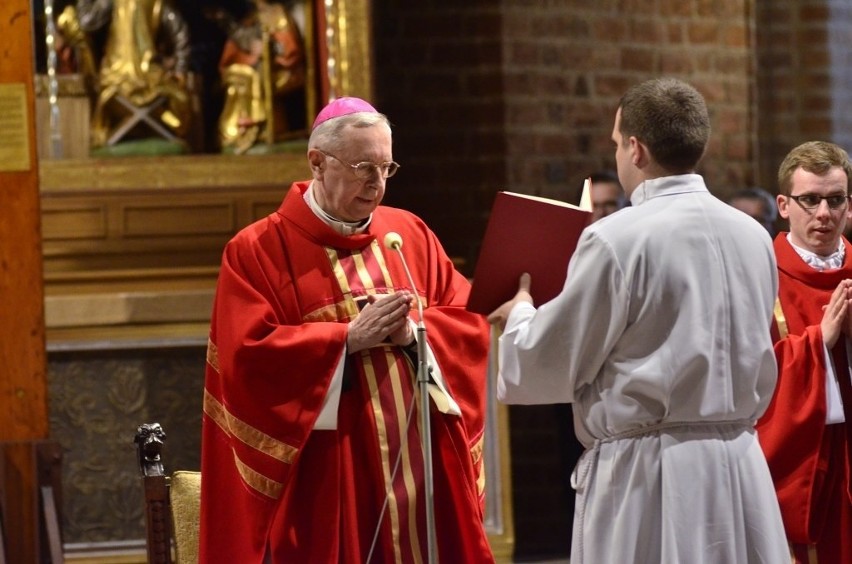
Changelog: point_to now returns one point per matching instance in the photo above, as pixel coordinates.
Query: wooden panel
(133, 246)
(260, 209)
(178, 218)
(83, 222)
(173, 174)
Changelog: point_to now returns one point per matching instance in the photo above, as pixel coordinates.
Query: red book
(526, 234)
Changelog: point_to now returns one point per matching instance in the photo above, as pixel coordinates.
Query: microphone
(393, 242)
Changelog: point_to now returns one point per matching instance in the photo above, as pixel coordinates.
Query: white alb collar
(831, 262)
(342, 227)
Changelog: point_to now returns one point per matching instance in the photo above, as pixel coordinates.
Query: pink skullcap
(342, 107)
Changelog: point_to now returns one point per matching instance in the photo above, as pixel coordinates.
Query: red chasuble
(809, 460)
(272, 483)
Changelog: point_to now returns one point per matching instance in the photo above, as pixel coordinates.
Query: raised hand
(835, 318)
(847, 324)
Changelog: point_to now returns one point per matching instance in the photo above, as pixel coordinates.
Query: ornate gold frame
(350, 47)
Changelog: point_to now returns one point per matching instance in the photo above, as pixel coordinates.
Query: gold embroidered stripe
(252, 437)
(407, 469)
(377, 251)
(256, 480)
(333, 312)
(393, 507)
(339, 273)
(212, 355)
(476, 449)
(780, 319)
(363, 273)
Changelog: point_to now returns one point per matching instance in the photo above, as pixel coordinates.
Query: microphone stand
(423, 374)
(426, 430)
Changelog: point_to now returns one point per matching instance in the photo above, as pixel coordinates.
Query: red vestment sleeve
(791, 429)
(267, 377)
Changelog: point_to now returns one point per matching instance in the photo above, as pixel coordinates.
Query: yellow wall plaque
(14, 129)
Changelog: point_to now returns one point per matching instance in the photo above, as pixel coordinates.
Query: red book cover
(526, 234)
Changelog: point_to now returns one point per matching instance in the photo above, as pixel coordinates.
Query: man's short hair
(816, 157)
(669, 117)
(327, 135)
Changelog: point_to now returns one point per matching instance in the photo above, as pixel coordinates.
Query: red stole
(386, 383)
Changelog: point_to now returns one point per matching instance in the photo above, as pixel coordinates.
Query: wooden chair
(171, 502)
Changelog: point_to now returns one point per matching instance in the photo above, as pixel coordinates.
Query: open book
(527, 234)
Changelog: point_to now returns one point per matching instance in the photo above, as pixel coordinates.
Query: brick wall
(568, 63)
(804, 76)
(489, 95)
(438, 78)
(521, 95)
(839, 39)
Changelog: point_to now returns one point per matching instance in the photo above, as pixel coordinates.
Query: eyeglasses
(365, 170)
(810, 202)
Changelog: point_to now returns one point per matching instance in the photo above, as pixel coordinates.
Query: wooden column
(23, 383)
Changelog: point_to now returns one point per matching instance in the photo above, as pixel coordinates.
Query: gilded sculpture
(136, 72)
(262, 62)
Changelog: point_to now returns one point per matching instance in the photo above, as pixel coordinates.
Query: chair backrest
(172, 503)
(185, 499)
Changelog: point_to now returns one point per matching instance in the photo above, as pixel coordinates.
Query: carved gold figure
(73, 45)
(134, 75)
(262, 60)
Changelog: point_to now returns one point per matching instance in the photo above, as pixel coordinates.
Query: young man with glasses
(311, 443)
(807, 428)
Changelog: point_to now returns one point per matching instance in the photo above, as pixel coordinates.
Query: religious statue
(73, 48)
(262, 61)
(143, 69)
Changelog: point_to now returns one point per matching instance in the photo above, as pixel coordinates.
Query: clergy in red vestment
(806, 430)
(311, 441)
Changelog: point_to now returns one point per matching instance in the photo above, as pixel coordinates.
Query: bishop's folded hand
(381, 319)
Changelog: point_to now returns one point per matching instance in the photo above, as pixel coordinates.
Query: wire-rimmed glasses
(366, 169)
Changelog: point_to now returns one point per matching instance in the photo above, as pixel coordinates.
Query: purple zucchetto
(341, 107)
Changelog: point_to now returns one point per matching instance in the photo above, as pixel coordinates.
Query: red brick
(644, 30)
(703, 33)
(638, 58)
(675, 8)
